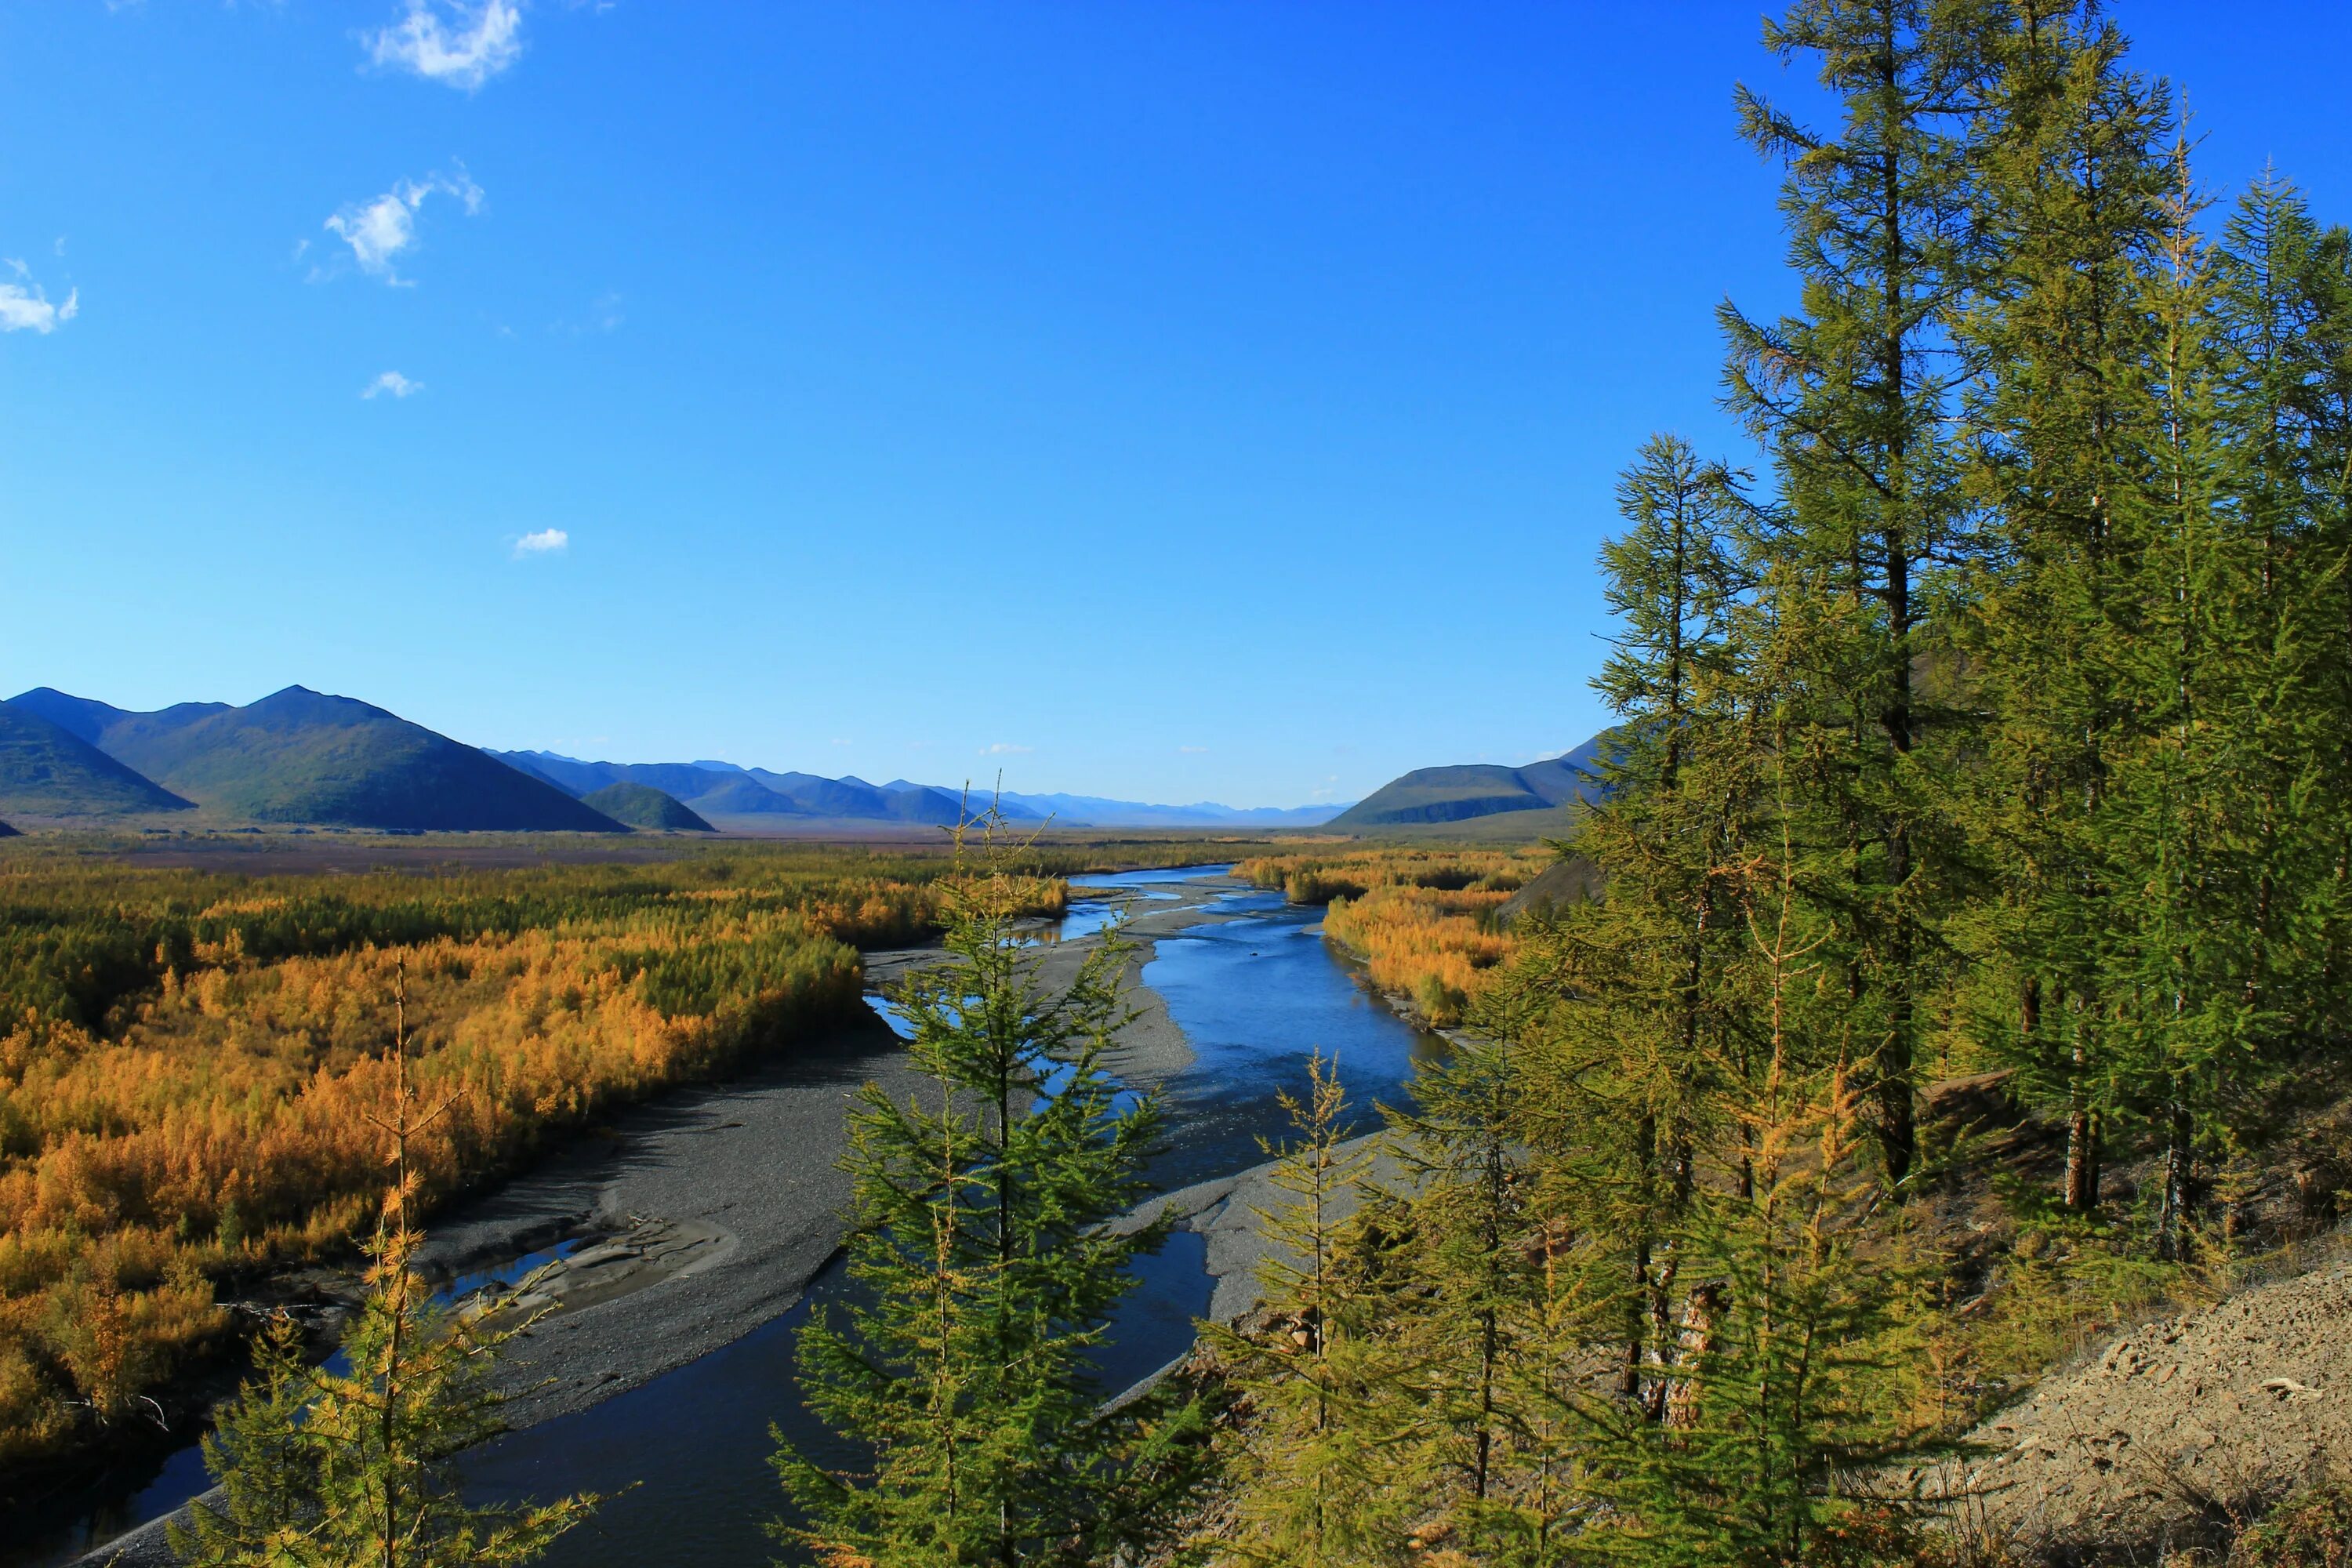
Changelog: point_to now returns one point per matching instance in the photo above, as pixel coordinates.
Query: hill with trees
(107, 727)
(1457, 793)
(298, 756)
(48, 771)
(642, 805)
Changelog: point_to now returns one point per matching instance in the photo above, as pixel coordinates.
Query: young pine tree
(985, 1277)
(1321, 1465)
(354, 1469)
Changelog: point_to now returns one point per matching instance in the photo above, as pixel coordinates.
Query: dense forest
(1997, 725)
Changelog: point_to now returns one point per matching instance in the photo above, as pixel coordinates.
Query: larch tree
(1851, 395)
(984, 1276)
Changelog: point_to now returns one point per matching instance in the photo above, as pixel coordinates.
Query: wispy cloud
(455, 44)
(379, 230)
(603, 316)
(26, 307)
(1006, 749)
(393, 383)
(546, 542)
(1191, 751)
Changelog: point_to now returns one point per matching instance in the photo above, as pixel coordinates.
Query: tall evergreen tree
(1640, 1015)
(1853, 396)
(2063, 429)
(986, 1275)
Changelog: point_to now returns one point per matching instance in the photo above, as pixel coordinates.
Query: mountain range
(298, 756)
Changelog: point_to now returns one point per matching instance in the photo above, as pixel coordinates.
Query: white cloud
(546, 542)
(1191, 751)
(379, 230)
(473, 45)
(26, 307)
(1005, 749)
(392, 381)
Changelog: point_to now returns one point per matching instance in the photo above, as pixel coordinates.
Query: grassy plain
(191, 1037)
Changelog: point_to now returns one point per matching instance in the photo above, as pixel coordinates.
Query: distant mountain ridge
(299, 756)
(1095, 811)
(717, 789)
(724, 789)
(1479, 789)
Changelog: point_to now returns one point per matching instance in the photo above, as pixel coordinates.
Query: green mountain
(642, 805)
(300, 756)
(48, 771)
(1458, 793)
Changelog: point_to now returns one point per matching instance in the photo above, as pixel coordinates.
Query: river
(684, 1459)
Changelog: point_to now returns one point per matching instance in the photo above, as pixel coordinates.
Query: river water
(685, 1458)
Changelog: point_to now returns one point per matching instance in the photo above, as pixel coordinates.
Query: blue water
(686, 1457)
(507, 1273)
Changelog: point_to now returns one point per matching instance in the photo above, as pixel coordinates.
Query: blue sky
(1174, 400)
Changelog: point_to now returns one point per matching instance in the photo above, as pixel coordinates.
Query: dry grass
(1421, 920)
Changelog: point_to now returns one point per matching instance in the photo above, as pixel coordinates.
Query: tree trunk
(1697, 1343)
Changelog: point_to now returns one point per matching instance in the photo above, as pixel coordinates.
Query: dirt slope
(2177, 1424)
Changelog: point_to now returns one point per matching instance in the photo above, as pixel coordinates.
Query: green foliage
(300, 756)
(985, 1276)
(2313, 1528)
(46, 771)
(1322, 1460)
(2004, 719)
